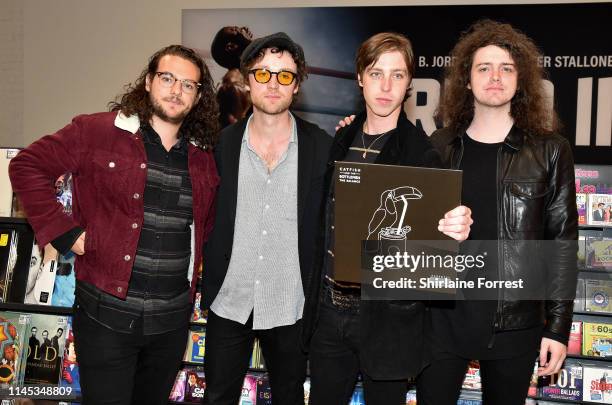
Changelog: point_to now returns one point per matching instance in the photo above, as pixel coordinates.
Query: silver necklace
(368, 149)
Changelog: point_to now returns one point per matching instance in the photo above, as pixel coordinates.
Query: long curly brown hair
(201, 125)
(528, 106)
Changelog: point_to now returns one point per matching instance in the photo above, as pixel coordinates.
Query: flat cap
(279, 40)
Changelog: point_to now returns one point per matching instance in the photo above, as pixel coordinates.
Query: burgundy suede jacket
(106, 155)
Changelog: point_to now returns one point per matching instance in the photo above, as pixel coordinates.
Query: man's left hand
(345, 121)
(456, 223)
(557, 352)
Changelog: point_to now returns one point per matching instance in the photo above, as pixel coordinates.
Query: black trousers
(504, 381)
(123, 369)
(335, 365)
(229, 345)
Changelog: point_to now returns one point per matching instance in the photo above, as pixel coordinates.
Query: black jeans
(229, 345)
(122, 369)
(504, 381)
(335, 365)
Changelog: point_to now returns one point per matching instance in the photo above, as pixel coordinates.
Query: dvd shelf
(42, 340)
(586, 377)
(36, 298)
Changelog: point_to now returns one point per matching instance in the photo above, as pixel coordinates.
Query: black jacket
(392, 331)
(313, 149)
(536, 201)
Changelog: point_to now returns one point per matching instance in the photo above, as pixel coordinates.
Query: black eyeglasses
(167, 79)
(284, 77)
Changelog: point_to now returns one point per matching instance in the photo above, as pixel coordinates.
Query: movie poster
(574, 40)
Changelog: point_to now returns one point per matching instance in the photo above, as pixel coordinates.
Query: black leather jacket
(536, 201)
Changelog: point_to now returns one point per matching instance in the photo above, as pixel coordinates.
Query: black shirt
(364, 149)
(465, 327)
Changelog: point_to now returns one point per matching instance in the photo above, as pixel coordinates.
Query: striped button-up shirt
(263, 276)
(158, 293)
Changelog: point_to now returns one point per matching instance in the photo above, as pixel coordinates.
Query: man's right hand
(49, 253)
(79, 245)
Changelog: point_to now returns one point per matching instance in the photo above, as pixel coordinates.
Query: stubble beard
(273, 110)
(158, 111)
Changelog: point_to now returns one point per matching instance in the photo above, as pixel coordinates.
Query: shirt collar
(292, 139)
(151, 136)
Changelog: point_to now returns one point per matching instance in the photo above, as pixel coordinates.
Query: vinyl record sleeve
(390, 203)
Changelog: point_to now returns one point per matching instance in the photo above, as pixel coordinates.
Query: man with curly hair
(518, 178)
(144, 184)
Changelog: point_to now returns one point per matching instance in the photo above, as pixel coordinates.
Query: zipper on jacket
(497, 321)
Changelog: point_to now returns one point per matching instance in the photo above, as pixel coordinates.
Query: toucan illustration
(388, 219)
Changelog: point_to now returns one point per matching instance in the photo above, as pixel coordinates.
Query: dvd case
(566, 384)
(45, 349)
(597, 296)
(599, 209)
(597, 384)
(597, 339)
(13, 347)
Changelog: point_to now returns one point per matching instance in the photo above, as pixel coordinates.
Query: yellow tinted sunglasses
(283, 77)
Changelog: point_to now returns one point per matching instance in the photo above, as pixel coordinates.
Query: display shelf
(193, 363)
(583, 268)
(605, 228)
(18, 285)
(76, 400)
(592, 313)
(566, 401)
(13, 220)
(39, 309)
(593, 270)
(589, 358)
(590, 316)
